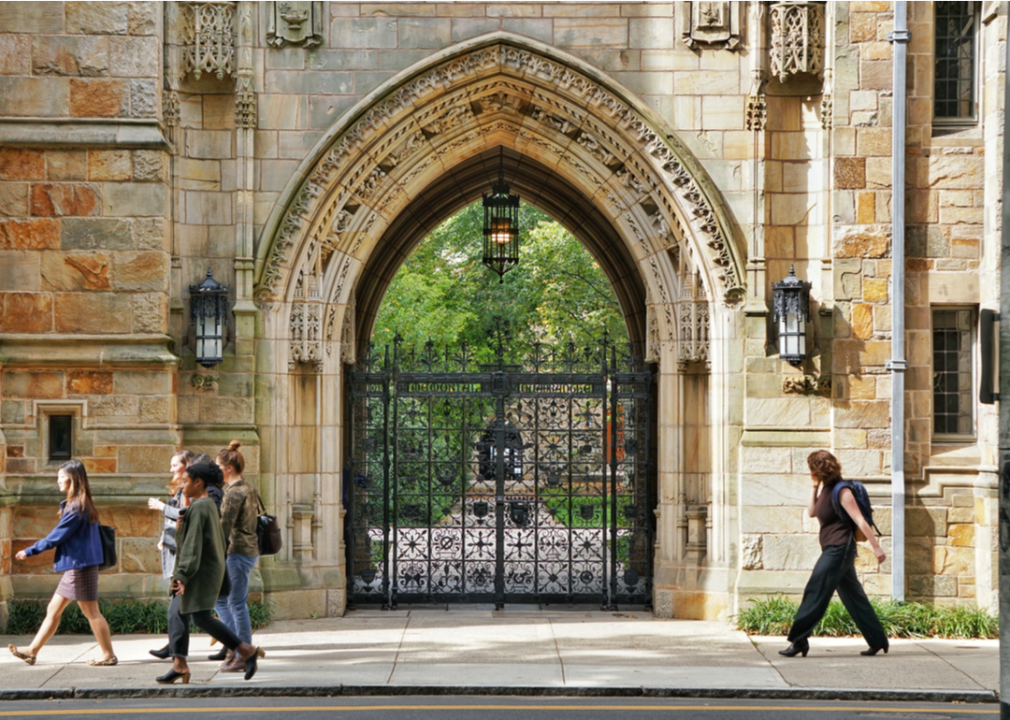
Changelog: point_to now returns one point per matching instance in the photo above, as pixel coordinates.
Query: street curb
(216, 691)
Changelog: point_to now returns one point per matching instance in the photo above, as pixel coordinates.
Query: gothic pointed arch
(571, 131)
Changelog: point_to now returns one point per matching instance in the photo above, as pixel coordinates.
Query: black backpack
(862, 501)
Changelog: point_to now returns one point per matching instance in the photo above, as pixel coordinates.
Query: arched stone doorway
(578, 147)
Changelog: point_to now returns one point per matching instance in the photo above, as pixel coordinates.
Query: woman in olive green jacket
(199, 572)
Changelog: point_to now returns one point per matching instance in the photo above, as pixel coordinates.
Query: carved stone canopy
(208, 38)
(294, 23)
(797, 38)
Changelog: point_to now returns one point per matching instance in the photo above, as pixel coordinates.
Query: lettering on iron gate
(529, 482)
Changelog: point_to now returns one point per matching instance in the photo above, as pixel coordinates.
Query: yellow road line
(607, 708)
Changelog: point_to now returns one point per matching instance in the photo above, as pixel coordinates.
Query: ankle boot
(795, 648)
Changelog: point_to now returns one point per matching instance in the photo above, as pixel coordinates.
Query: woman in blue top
(78, 555)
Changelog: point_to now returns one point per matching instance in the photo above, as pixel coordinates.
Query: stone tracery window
(953, 373)
(954, 85)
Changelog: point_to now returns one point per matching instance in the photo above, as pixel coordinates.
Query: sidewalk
(520, 651)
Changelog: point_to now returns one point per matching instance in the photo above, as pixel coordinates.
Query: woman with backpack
(78, 555)
(840, 517)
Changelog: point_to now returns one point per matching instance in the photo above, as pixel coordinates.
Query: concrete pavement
(468, 650)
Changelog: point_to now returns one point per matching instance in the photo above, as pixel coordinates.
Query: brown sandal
(108, 662)
(30, 659)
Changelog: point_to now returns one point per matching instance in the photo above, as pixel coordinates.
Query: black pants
(178, 628)
(836, 570)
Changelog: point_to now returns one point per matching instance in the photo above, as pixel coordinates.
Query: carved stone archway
(578, 146)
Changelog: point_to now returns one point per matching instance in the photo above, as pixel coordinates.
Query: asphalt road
(482, 708)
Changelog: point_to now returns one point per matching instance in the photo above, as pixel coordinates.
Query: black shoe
(794, 649)
(162, 654)
(250, 664)
(219, 655)
(171, 676)
(874, 650)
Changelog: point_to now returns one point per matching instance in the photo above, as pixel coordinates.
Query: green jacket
(199, 561)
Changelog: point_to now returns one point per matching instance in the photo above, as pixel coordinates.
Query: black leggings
(836, 570)
(178, 628)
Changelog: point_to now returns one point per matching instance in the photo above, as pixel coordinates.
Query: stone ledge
(87, 350)
(786, 437)
(75, 132)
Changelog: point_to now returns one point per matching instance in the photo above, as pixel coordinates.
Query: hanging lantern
(792, 312)
(501, 227)
(209, 316)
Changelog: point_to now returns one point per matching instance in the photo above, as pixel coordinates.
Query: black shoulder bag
(108, 537)
(268, 531)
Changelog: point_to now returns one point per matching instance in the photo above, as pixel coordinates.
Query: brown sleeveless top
(834, 530)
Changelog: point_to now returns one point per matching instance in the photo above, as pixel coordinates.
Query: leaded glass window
(953, 381)
(954, 84)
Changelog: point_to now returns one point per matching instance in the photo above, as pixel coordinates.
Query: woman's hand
(178, 587)
(21, 556)
(155, 504)
(879, 552)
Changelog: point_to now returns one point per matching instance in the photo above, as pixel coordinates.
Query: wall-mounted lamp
(210, 317)
(792, 312)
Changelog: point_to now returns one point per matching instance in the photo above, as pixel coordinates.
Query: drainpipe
(899, 39)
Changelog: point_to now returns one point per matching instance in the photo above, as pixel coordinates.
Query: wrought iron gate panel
(500, 482)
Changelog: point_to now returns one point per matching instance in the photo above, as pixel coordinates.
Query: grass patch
(125, 617)
(775, 615)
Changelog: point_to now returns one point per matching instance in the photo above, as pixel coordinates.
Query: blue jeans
(234, 609)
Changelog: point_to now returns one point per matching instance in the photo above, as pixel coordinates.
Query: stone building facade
(699, 150)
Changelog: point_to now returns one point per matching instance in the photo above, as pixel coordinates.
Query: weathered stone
(858, 242)
(139, 555)
(15, 54)
(363, 33)
(592, 32)
(105, 18)
(765, 519)
(850, 173)
(143, 98)
(64, 199)
(69, 55)
(149, 233)
(790, 552)
(99, 466)
(96, 233)
(145, 458)
(778, 412)
(109, 165)
(26, 312)
(12, 412)
(750, 552)
(31, 17)
(67, 164)
(124, 407)
(86, 382)
(76, 271)
(13, 199)
(19, 271)
(149, 165)
(875, 290)
(953, 561)
(133, 57)
(34, 97)
(97, 312)
(424, 32)
(956, 171)
(32, 385)
(143, 18)
(135, 522)
(931, 586)
(961, 515)
(136, 382)
(929, 522)
(863, 415)
(99, 98)
(961, 535)
(18, 164)
(29, 234)
(141, 271)
(134, 199)
(150, 313)
(862, 321)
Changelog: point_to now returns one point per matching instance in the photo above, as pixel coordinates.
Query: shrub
(775, 615)
(124, 617)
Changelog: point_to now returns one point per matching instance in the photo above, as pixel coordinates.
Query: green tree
(443, 292)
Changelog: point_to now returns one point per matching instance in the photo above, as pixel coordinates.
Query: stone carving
(173, 111)
(713, 24)
(204, 382)
(295, 23)
(757, 112)
(807, 385)
(304, 336)
(693, 335)
(348, 338)
(797, 36)
(450, 86)
(245, 101)
(827, 107)
(209, 38)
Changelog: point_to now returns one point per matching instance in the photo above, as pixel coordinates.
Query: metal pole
(897, 364)
(1004, 423)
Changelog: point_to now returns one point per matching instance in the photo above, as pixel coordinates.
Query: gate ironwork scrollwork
(475, 481)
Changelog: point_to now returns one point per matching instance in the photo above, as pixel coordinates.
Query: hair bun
(234, 445)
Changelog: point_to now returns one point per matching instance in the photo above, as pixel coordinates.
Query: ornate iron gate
(496, 482)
